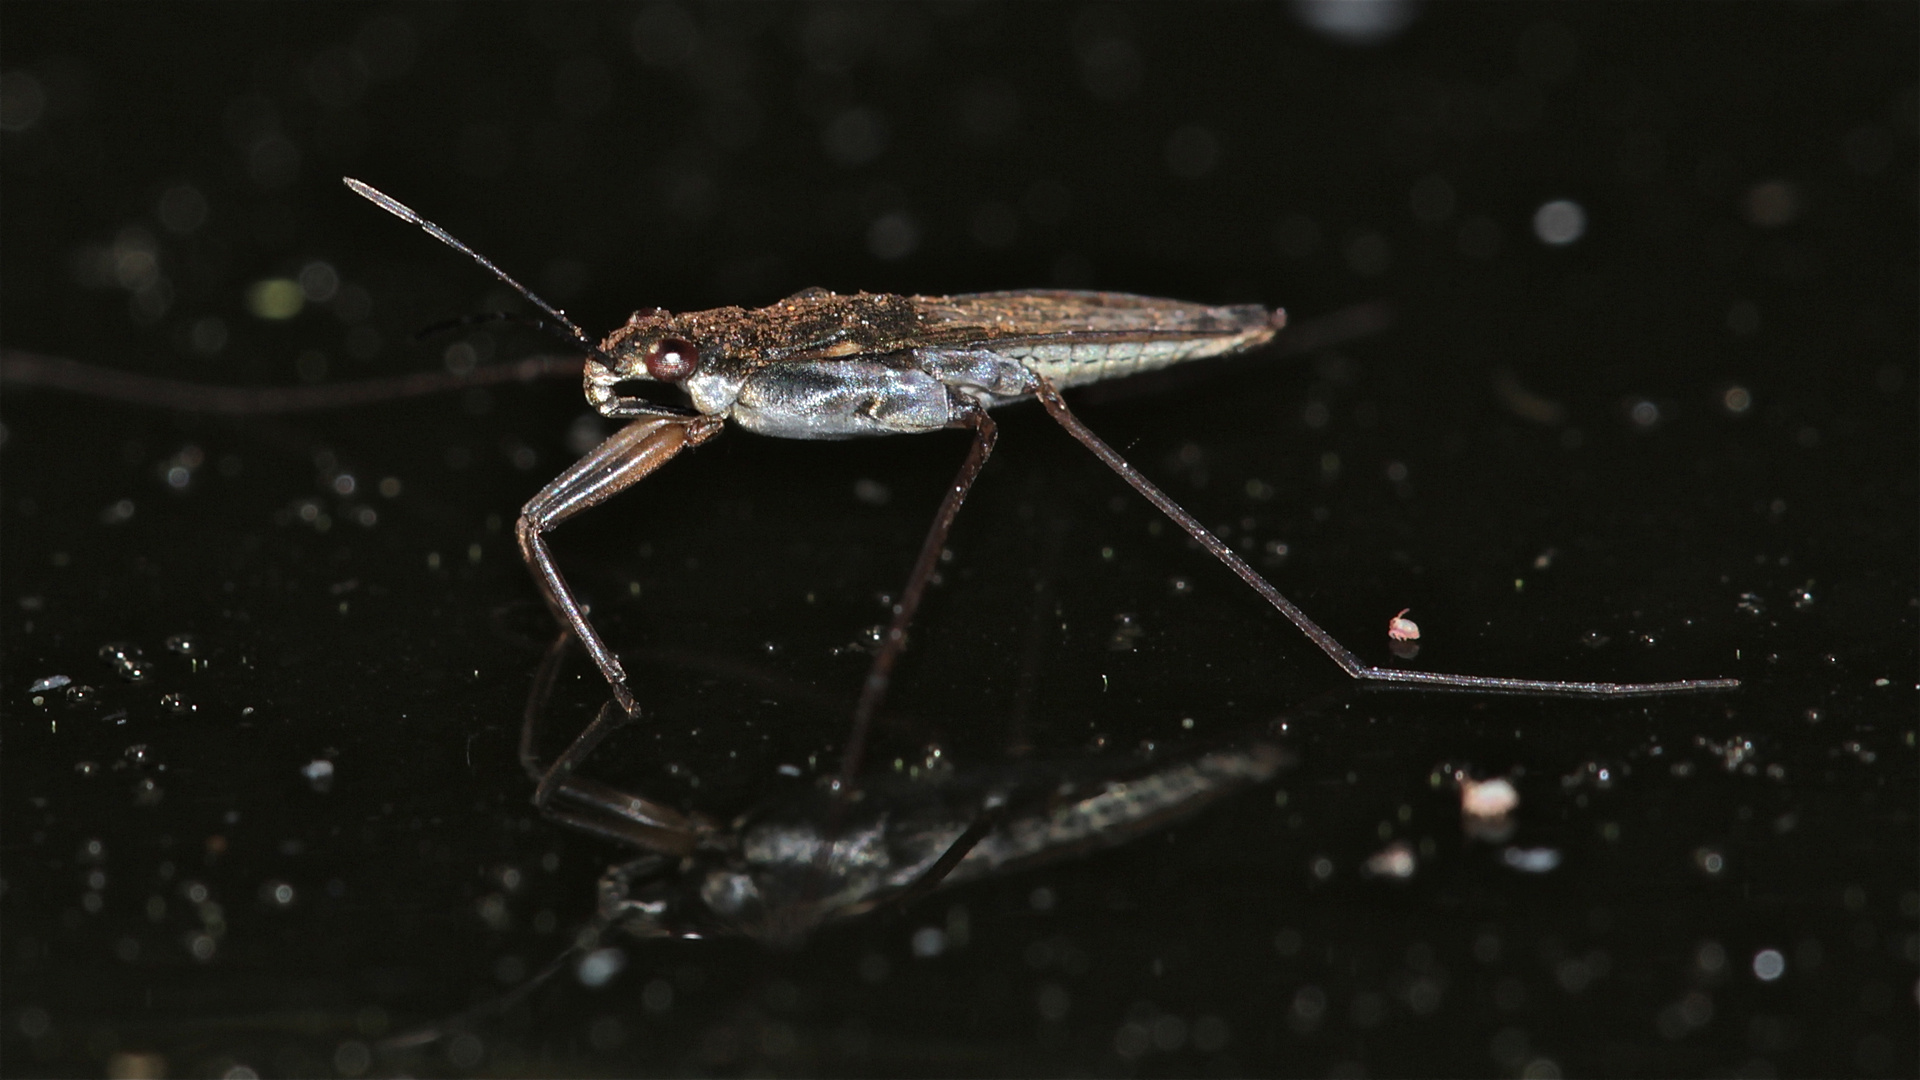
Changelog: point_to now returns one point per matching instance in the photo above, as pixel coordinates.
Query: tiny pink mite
(1402, 629)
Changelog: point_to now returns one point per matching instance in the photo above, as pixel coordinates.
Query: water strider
(819, 365)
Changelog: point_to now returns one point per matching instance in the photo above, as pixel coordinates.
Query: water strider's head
(651, 347)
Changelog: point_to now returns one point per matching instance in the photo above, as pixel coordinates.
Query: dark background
(1681, 445)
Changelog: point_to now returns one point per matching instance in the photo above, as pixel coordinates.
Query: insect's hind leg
(627, 457)
(1049, 396)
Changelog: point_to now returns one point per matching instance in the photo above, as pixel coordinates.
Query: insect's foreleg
(627, 457)
(1350, 663)
(875, 688)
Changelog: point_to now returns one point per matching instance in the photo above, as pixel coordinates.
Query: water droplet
(126, 660)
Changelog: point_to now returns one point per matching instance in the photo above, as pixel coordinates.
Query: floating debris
(51, 682)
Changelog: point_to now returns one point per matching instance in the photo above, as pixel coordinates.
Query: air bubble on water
(1803, 597)
(86, 768)
(139, 754)
(79, 694)
(126, 660)
(51, 682)
(183, 644)
(177, 704)
(277, 894)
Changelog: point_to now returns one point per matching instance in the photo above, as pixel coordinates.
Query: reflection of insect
(823, 366)
(790, 866)
(1401, 628)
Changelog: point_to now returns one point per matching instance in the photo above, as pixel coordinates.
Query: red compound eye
(672, 359)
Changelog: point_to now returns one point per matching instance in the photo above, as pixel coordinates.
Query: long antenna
(405, 213)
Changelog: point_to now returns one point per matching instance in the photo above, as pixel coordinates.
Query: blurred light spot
(1109, 62)
(1560, 222)
(337, 77)
(994, 225)
(1769, 965)
(1356, 22)
(318, 282)
(893, 236)
(385, 44)
(183, 209)
(929, 942)
(1296, 236)
(22, 101)
(275, 298)
(1643, 413)
(1772, 204)
(1531, 860)
(988, 110)
(1192, 151)
(1548, 52)
(582, 86)
(664, 35)
(1743, 317)
(1479, 238)
(598, 967)
(1368, 254)
(1868, 149)
(274, 162)
(854, 137)
(1432, 200)
(1736, 399)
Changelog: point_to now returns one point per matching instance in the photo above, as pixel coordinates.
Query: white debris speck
(788, 770)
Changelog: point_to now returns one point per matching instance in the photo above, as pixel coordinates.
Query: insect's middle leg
(627, 457)
(985, 432)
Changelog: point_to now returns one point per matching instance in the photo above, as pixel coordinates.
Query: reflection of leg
(588, 804)
(1348, 661)
(627, 457)
(874, 690)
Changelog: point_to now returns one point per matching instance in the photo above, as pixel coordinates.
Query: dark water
(1680, 443)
